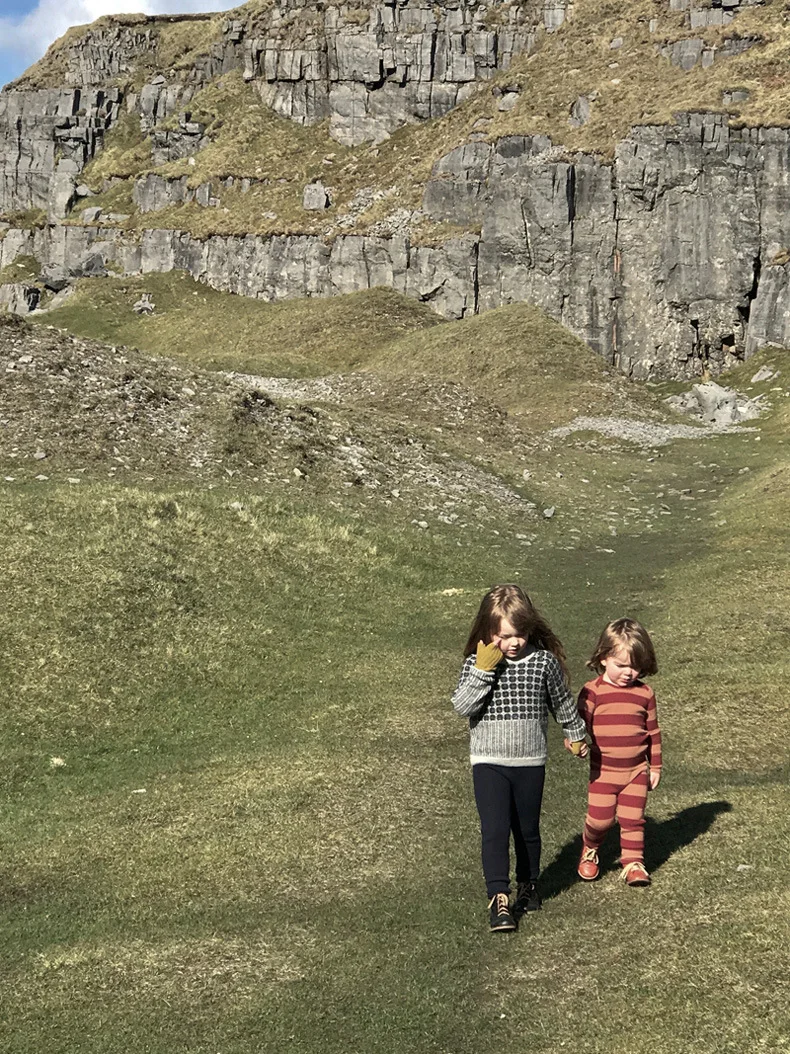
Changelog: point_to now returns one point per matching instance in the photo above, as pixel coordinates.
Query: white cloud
(28, 37)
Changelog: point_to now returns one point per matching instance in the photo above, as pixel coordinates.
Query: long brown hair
(512, 603)
(633, 638)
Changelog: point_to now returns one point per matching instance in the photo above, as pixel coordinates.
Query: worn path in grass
(262, 834)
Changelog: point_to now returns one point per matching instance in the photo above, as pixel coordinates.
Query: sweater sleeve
(561, 701)
(654, 734)
(474, 688)
(586, 706)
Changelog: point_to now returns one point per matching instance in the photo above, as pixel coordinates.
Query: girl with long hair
(514, 674)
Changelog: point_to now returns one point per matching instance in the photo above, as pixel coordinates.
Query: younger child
(619, 711)
(514, 674)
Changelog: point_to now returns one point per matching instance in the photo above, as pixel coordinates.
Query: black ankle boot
(527, 898)
(500, 915)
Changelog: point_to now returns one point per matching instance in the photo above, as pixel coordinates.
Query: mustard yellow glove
(488, 656)
(578, 747)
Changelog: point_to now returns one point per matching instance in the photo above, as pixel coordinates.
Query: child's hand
(654, 778)
(488, 656)
(578, 748)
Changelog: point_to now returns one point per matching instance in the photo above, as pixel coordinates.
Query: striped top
(508, 708)
(622, 724)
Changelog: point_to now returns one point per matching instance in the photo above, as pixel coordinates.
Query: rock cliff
(667, 252)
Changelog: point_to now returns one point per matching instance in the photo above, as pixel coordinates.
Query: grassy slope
(219, 331)
(263, 834)
(515, 357)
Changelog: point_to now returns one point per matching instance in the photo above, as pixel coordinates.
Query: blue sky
(28, 27)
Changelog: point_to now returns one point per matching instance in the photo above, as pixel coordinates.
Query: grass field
(238, 813)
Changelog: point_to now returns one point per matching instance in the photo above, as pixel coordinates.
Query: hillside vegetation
(610, 52)
(238, 812)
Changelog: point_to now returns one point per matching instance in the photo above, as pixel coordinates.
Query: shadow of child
(662, 839)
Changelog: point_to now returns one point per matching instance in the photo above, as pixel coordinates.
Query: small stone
(765, 373)
(92, 214)
(73, 479)
(316, 197)
(42, 479)
(580, 112)
(40, 455)
(549, 512)
(508, 101)
(616, 43)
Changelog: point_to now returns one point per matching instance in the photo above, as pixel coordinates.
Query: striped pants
(621, 794)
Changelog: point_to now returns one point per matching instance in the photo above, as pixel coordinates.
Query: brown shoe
(588, 868)
(634, 874)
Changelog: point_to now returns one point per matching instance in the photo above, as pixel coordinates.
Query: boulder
(316, 196)
(55, 277)
(19, 298)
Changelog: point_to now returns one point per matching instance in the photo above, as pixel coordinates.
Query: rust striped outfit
(623, 726)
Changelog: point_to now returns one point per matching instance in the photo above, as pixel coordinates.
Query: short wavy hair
(630, 635)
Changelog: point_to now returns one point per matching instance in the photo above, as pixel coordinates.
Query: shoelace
(591, 855)
(633, 866)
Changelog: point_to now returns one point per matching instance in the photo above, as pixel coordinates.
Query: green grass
(514, 357)
(221, 331)
(262, 835)
(23, 269)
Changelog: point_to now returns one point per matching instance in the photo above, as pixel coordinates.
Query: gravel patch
(643, 433)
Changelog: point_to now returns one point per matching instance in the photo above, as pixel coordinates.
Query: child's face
(509, 640)
(618, 668)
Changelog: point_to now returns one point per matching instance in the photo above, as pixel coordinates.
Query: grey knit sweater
(508, 708)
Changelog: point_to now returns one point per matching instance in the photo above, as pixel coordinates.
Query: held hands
(578, 747)
(488, 656)
(654, 778)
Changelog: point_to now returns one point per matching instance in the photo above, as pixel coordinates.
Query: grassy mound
(515, 357)
(222, 331)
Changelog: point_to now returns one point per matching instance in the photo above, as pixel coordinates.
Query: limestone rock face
(18, 298)
(46, 139)
(370, 71)
(702, 13)
(669, 261)
(662, 262)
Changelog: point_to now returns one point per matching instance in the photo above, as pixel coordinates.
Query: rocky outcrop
(46, 139)
(273, 268)
(657, 261)
(668, 262)
(702, 13)
(153, 193)
(693, 51)
(19, 298)
(370, 70)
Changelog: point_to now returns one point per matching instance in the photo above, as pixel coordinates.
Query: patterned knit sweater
(508, 708)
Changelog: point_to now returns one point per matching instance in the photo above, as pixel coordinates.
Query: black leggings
(509, 799)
